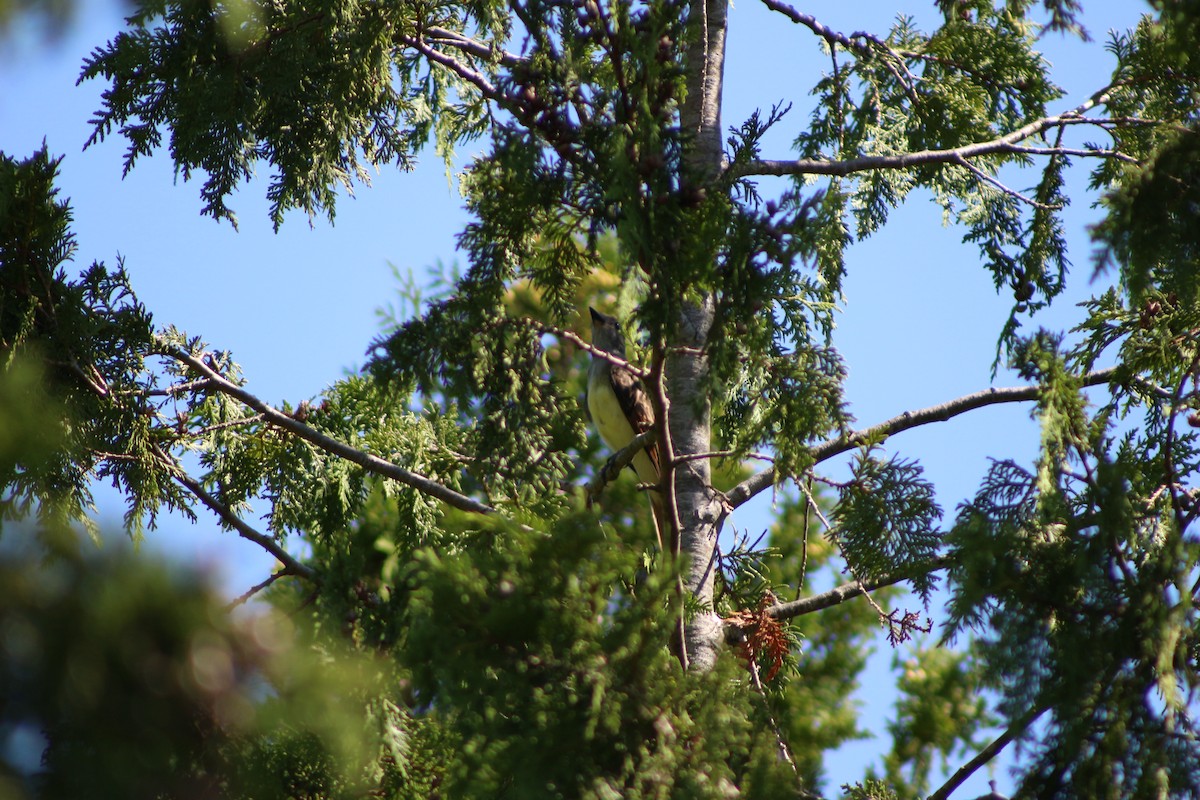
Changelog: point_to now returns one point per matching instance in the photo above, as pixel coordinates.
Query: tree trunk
(687, 364)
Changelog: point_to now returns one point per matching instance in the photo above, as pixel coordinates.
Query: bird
(620, 407)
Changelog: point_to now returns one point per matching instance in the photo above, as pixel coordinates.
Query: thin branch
(94, 381)
(906, 421)
(471, 46)
(166, 391)
(1168, 448)
(989, 179)
(256, 588)
(666, 485)
(683, 459)
(1074, 151)
(884, 617)
(785, 750)
(1007, 144)
(804, 540)
(847, 591)
(985, 755)
(231, 423)
(619, 461)
(471, 76)
(587, 347)
(824, 31)
(860, 43)
(268, 543)
(365, 460)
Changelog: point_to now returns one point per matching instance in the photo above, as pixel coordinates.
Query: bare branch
(578, 341)
(166, 391)
(1008, 144)
(782, 747)
(1074, 151)
(847, 591)
(867, 44)
(256, 588)
(824, 31)
(616, 361)
(985, 755)
(365, 460)
(471, 76)
(471, 46)
(906, 421)
(290, 564)
(619, 461)
(885, 618)
(986, 178)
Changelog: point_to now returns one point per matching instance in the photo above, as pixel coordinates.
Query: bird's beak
(595, 315)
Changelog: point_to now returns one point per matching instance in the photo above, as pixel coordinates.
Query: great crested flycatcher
(621, 409)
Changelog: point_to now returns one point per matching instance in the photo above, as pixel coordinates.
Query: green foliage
(87, 338)
(1152, 222)
(816, 704)
(582, 697)
(884, 522)
(141, 685)
(222, 79)
(528, 651)
(1072, 574)
(974, 79)
(870, 789)
(940, 712)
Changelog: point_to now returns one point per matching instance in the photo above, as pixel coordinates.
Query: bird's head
(606, 333)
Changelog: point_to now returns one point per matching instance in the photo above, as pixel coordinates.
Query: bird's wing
(635, 403)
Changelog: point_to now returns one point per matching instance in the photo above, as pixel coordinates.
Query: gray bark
(700, 512)
(701, 111)
(699, 507)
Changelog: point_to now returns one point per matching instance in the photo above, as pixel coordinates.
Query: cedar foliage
(449, 618)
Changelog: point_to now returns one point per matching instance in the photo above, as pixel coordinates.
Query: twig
(1168, 448)
(784, 750)
(619, 461)
(804, 540)
(166, 391)
(472, 46)
(258, 587)
(666, 483)
(95, 381)
(1073, 151)
(365, 460)
(587, 347)
(683, 459)
(906, 421)
(824, 31)
(230, 423)
(812, 503)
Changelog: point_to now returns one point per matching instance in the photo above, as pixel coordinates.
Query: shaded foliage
(505, 639)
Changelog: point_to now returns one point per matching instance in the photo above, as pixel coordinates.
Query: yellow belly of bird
(616, 432)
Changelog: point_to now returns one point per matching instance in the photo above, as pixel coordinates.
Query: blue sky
(918, 327)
